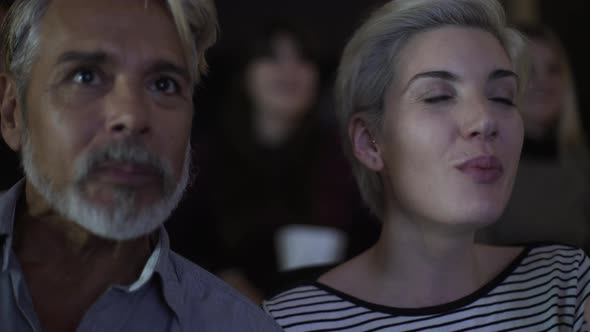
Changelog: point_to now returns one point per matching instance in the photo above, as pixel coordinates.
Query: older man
(97, 99)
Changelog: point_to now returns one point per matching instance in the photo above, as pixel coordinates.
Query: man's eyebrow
(502, 73)
(80, 56)
(440, 74)
(170, 67)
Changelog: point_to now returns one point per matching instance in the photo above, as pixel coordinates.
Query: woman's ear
(11, 117)
(364, 145)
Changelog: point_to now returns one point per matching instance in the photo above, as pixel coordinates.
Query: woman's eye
(501, 100)
(85, 76)
(166, 86)
(437, 99)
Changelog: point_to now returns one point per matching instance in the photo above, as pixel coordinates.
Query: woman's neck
(415, 264)
(424, 265)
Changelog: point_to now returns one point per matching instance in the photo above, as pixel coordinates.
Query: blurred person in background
(271, 164)
(428, 93)
(550, 197)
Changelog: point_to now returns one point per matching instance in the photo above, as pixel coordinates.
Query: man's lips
(482, 169)
(126, 173)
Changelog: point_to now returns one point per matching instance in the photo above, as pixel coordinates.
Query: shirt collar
(8, 200)
(170, 279)
(159, 264)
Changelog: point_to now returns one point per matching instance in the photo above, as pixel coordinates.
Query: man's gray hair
(368, 65)
(196, 22)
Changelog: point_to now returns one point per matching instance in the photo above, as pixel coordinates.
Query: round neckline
(436, 309)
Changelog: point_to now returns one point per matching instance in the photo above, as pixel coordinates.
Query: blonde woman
(428, 94)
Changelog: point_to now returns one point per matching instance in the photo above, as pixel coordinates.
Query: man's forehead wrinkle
(58, 28)
(61, 12)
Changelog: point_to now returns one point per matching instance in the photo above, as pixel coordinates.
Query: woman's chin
(475, 217)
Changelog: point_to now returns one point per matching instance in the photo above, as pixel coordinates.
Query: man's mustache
(122, 152)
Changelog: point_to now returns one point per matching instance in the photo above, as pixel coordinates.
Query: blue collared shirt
(171, 294)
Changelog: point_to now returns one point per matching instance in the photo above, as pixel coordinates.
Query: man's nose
(128, 112)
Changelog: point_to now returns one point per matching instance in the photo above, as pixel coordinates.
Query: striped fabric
(544, 289)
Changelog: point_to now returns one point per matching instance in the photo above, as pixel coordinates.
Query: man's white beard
(124, 219)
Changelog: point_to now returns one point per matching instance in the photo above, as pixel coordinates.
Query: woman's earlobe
(364, 144)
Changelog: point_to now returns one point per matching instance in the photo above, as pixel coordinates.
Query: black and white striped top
(543, 289)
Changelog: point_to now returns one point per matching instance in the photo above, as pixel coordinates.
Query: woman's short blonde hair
(368, 65)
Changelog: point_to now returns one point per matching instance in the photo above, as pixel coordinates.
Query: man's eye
(167, 86)
(85, 76)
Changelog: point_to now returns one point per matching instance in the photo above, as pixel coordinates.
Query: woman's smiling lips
(482, 169)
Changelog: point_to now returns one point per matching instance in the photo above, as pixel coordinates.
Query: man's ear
(11, 117)
(364, 144)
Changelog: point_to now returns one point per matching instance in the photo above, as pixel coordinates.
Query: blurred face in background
(283, 84)
(544, 97)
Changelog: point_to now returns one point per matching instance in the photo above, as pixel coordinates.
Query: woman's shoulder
(295, 300)
(553, 251)
(549, 266)
(547, 257)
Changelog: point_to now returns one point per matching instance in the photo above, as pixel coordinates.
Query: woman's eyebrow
(440, 74)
